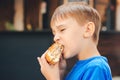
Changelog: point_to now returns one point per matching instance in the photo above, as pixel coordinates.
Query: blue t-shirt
(95, 68)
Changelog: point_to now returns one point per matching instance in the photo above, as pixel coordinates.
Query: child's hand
(51, 72)
(62, 67)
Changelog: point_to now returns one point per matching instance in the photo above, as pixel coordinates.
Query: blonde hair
(81, 12)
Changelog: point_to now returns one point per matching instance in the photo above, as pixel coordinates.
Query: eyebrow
(60, 26)
(57, 27)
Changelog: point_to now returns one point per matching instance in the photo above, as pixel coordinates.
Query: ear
(89, 29)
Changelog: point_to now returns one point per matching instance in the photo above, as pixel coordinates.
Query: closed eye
(62, 30)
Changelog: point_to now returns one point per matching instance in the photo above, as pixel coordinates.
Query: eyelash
(62, 30)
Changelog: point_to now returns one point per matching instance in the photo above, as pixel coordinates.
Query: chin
(69, 55)
(65, 56)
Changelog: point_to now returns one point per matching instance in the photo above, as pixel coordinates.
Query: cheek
(70, 47)
(73, 43)
(70, 40)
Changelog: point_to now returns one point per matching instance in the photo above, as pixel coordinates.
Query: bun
(53, 53)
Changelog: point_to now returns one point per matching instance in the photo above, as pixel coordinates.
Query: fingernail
(38, 58)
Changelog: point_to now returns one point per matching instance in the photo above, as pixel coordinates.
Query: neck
(89, 51)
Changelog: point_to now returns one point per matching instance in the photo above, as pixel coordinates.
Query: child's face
(70, 34)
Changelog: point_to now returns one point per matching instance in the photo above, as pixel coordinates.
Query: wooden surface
(109, 46)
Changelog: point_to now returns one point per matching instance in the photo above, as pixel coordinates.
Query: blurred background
(25, 34)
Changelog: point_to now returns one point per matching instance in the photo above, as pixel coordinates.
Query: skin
(77, 41)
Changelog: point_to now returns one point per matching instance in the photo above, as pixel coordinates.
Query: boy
(76, 26)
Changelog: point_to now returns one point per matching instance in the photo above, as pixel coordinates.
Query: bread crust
(53, 53)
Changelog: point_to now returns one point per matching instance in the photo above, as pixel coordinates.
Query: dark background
(19, 52)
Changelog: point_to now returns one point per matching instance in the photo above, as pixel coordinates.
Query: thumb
(39, 60)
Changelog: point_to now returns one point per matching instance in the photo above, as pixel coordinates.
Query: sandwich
(53, 53)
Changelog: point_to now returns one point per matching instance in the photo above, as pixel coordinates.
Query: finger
(62, 58)
(39, 60)
(44, 61)
(62, 63)
(43, 56)
(56, 65)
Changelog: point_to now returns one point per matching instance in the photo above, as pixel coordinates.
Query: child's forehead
(61, 22)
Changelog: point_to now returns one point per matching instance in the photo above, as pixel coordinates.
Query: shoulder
(98, 61)
(94, 62)
(98, 68)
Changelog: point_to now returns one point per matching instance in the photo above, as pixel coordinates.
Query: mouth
(62, 48)
(62, 54)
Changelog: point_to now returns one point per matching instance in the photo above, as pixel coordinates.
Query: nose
(56, 38)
